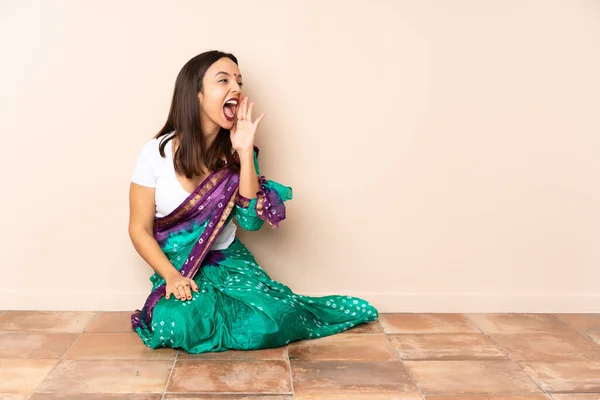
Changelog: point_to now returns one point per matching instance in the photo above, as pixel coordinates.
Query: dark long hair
(184, 119)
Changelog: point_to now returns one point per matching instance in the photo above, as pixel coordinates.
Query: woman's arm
(260, 200)
(248, 177)
(141, 224)
(266, 204)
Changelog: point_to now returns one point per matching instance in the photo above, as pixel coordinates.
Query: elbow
(133, 236)
(137, 231)
(253, 227)
(250, 225)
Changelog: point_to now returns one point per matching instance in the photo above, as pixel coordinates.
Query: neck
(209, 139)
(210, 131)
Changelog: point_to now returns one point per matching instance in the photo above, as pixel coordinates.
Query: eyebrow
(223, 72)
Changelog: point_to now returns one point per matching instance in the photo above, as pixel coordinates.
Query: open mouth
(229, 109)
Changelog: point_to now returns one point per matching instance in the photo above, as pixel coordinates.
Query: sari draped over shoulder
(226, 313)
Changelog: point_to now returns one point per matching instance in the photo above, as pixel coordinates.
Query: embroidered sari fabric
(238, 305)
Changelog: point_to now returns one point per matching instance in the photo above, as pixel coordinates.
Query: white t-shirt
(152, 170)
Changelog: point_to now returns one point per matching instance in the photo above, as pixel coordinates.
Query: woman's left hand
(243, 131)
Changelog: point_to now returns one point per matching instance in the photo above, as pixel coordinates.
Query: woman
(198, 173)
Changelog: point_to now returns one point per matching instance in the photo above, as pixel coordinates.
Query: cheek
(213, 103)
(217, 98)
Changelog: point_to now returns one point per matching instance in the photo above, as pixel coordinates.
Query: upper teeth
(233, 102)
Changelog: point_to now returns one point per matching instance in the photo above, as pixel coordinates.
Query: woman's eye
(225, 80)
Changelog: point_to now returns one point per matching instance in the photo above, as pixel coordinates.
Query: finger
(260, 118)
(249, 113)
(188, 293)
(240, 108)
(182, 295)
(244, 107)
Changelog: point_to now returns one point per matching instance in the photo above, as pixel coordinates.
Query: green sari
(238, 306)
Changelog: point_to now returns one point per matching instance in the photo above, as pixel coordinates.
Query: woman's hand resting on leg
(180, 286)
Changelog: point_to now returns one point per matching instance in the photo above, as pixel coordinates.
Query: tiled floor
(87, 355)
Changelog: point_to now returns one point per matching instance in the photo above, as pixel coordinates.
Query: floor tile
(360, 396)
(45, 321)
(114, 321)
(97, 396)
(493, 397)
(544, 347)
(565, 376)
(230, 376)
(520, 323)
(577, 396)
(115, 346)
(34, 344)
(108, 376)
(589, 323)
(349, 346)
(22, 375)
(426, 323)
(279, 353)
(445, 346)
(8, 396)
(595, 337)
(351, 378)
(370, 327)
(470, 377)
(174, 396)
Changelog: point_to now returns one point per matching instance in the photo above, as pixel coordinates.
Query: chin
(226, 124)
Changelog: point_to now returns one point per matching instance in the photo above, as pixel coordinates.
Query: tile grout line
(170, 374)
(573, 327)
(66, 351)
(507, 356)
(287, 352)
(402, 362)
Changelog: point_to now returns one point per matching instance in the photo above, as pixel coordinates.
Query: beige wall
(444, 156)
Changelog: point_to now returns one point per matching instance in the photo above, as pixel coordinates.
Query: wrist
(246, 154)
(172, 275)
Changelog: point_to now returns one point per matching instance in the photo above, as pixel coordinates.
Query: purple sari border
(207, 187)
(242, 201)
(269, 206)
(213, 236)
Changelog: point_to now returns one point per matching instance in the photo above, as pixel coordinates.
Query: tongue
(229, 111)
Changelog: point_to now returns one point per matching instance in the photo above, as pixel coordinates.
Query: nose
(236, 86)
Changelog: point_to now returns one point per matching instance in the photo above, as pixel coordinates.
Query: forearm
(148, 248)
(248, 178)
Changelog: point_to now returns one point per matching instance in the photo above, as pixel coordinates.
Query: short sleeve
(145, 172)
